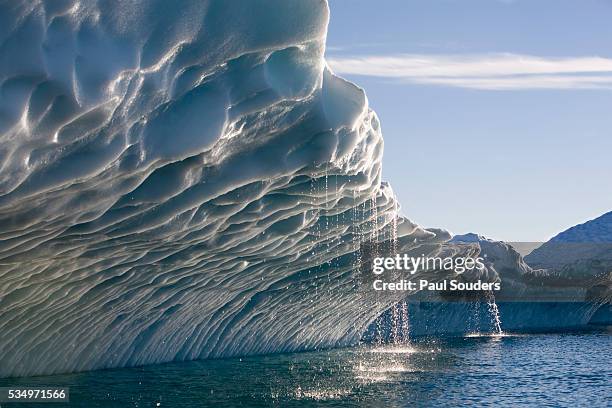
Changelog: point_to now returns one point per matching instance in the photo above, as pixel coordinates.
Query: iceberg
(182, 181)
(571, 289)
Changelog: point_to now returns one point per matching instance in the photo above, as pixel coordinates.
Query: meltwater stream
(525, 369)
(494, 312)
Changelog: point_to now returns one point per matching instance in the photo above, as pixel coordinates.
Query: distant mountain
(579, 249)
(597, 230)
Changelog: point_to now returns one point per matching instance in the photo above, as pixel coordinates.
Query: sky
(496, 114)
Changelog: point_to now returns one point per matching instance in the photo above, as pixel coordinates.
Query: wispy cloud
(483, 71)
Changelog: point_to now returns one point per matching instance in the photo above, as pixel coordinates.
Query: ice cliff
(182, 180)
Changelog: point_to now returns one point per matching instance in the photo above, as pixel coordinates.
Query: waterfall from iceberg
(182, 181)
(190, 180)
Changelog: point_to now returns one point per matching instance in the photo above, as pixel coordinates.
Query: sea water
(541, 370)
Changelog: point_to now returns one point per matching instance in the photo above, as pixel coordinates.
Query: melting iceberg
(571, 289)
(182, 182)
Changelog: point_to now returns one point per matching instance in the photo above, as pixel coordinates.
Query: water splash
(405, 325)
(494, 312)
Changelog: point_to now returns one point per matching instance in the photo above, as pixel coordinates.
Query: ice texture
(182, 180)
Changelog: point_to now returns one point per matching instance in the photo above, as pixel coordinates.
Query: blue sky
(496, 114)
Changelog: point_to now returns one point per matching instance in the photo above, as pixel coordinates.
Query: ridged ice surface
(180, 181)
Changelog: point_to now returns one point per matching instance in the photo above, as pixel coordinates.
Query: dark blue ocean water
(516, 370)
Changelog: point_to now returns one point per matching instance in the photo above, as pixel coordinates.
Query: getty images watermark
(406, 264)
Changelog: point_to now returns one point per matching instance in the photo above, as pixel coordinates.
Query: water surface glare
(540, 370)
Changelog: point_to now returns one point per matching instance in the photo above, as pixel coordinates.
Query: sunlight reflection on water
(517, 369)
